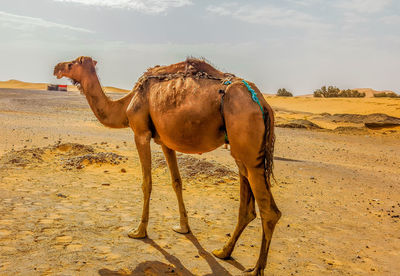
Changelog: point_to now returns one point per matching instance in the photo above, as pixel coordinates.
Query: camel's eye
(69, 65)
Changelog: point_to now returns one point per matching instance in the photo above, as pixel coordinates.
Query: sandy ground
(70, 191)
(16, 84)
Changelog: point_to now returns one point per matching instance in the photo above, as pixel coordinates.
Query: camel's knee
(251, 212)
(275, 210)
(146, 188)
(247, 217)
(177, 184)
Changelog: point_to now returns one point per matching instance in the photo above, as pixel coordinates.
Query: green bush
(386, 95)
(334, 92)
(282, 92)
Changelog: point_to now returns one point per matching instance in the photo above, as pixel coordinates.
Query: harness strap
(254, 97)
(221, 91)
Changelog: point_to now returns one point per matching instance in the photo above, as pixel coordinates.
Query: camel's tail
(269, 142)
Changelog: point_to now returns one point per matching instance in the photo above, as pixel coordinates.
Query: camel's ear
(94, 62)
(80, 60)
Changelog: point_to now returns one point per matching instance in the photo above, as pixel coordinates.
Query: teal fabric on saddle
(254, 97)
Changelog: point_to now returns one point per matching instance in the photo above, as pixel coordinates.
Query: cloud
(391, 19)
(363, 6)
(304, 2)
(21, 22)
(146, 6)
(268, 15)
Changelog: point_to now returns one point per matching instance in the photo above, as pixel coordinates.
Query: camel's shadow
(159, 268)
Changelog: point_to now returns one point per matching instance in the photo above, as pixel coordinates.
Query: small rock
(61, 195)
(123, 170)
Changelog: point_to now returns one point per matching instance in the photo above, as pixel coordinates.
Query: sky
(299, 45)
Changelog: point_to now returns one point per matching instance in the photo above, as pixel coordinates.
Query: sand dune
(16, 84)
(362, 106)
(344, 114)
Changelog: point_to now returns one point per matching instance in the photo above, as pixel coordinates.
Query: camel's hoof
(221, 254)
(181, 229)
(138, 233)
(253, 272)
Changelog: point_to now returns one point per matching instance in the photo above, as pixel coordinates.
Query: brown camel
(191, 107)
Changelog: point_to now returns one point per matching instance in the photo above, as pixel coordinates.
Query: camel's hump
(189, 66)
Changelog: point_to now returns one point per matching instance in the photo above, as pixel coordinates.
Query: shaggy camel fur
(179, 106)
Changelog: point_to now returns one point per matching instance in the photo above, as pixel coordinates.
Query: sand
(324, 112)
(70, 191)
(16, 84)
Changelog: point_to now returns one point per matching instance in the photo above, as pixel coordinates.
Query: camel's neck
(110, 113)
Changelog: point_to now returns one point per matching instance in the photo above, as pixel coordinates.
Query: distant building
(57, 87)
(62, 87)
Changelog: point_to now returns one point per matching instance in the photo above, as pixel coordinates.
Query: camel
(191, 107)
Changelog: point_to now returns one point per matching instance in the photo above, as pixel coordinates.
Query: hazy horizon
(297, 44)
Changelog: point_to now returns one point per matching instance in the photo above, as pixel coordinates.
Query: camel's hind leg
(170, 156)
(249, 139)
(247, 213)
(269, 213)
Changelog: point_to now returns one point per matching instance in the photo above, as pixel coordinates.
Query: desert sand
(16, 84)
(70, 189)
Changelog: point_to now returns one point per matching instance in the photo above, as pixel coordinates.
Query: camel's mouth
(59, 70)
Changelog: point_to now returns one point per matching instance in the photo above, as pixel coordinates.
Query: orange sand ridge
(16, 84)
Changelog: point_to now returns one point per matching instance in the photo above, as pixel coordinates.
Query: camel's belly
(190, 136)
(187, 116)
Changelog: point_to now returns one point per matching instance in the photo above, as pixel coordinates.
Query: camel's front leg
(143, 147)
(170, 156)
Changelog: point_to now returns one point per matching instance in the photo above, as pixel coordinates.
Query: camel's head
(76, 69)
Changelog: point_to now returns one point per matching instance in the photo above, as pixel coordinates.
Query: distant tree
(329, 92)
(386, 95)
(282, 92)
(350, 93)
(334, 92)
